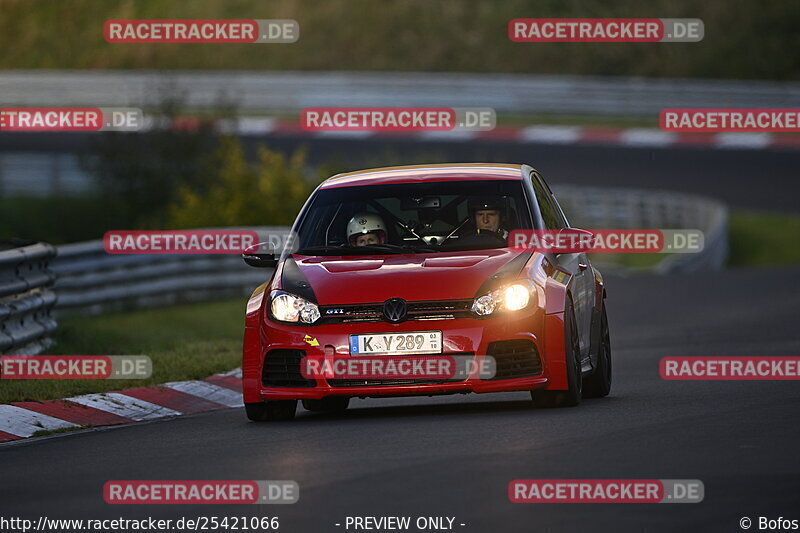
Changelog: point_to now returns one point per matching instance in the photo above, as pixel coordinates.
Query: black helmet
(487, 202)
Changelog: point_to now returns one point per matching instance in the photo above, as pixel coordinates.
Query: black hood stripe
(294, 281)
(505, 273)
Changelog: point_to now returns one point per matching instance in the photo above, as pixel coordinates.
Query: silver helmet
(363, 223)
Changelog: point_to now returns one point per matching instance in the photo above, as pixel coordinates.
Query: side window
(563, 223)
(550, 213)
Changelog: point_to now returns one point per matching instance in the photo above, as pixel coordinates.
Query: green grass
(743, 38)
(633, 261)
(761, 239)
(46, 432)
(184, 342)
(755, 239)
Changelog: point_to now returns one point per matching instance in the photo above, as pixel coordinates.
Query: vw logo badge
(394, 309)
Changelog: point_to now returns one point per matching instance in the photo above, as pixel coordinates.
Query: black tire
(331, 404)
(598, 385)
(572, 396)
(271, 411)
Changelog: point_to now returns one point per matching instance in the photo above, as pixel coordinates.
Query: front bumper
(323, 390)
(460, 336)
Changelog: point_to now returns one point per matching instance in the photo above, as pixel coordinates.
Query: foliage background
(748, 39)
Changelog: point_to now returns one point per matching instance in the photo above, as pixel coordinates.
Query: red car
(415, 262)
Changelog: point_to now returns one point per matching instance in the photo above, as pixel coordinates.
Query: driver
(488, 215)
(365, 229)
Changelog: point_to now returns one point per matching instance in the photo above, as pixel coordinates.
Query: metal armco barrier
(26, 297)
(92, 281)
(291, 91)
(609, 208)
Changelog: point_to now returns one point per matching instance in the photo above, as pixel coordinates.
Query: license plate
(416, 342)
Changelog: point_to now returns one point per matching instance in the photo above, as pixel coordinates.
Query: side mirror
(577, 236)
(577, 231)
(261, 255)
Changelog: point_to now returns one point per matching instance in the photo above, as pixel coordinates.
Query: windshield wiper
(365, 250)
(351, 250)
(325, 250)
(386, 247)
(402, 249)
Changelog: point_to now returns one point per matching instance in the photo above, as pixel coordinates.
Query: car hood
(344, 280)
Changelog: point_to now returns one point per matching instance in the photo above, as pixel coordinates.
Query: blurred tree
(268, 192)
(137, 175)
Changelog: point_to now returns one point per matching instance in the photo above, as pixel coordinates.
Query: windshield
(425, 217)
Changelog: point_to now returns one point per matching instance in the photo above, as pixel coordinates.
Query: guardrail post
(26, 297)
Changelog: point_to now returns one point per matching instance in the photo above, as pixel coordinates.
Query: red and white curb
(20, 420)
(544, 134)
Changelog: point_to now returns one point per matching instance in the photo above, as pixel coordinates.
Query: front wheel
(571, 396)
(598, 385)
(271, 411)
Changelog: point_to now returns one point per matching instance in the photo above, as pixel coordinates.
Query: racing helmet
(363, 223)
(496, 203)
(481, 203)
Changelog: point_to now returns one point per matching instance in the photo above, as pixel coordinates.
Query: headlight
(516, 297)
(286, 307)
(486, 304)
(510, 298)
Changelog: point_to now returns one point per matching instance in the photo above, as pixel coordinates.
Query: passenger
(365, 229)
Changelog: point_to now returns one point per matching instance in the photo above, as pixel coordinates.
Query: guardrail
(25, 297)
(617, 208)
(291, 91)
(91, 281)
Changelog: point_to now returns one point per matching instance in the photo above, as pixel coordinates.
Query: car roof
(418, 173)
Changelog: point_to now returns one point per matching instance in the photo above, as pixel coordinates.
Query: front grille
(282, 369)
(515, 359)
(441, 310)
(435, 310)
(389, 382)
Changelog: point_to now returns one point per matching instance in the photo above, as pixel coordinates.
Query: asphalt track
(455, 455)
